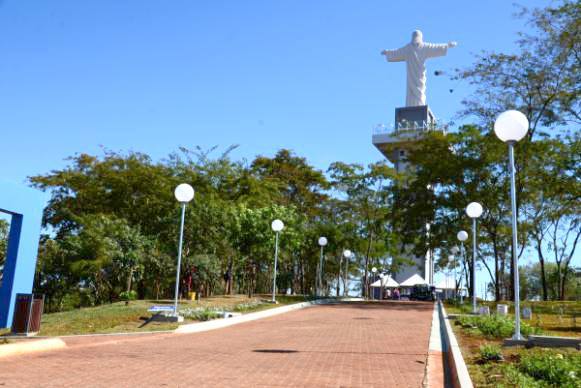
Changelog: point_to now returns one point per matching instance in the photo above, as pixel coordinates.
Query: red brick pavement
(344, 345)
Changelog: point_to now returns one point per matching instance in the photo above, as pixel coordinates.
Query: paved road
(344, 345)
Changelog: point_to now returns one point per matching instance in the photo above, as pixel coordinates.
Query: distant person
(396, 294)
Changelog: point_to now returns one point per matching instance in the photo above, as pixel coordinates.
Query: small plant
(495, 326)
(515, 378)
(201, 313)
(241, 307)
(552, 367)
(490, 352)
(128, 296)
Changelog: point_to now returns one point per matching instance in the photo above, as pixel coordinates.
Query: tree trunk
(230, 275)
(543, 274)
(496, 271)
(339, 275)
(365, 291)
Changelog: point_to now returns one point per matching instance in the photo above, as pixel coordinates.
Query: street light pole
(180, 244)
(322, 242)
(276, 226)
(275, 265)
(517, 335)
(474, 265)
(474, 210)
(463, 253)
(321, 272)
(373, 271)
(510, 127)
(347, 255)
(184, 193)
(462, 236)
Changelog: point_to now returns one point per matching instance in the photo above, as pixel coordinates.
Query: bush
(128, 295)
(201, 313)
(553, 367)
(241, 307)
(516, 378)
(495, 326)
(490, 352)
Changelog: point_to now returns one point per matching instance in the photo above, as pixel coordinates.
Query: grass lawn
(118, 317)
(521, 367)
(559, 318)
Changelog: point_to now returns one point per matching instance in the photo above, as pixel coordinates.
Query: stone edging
(456, 365)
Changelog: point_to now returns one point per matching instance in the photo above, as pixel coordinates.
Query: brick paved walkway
(346, 345)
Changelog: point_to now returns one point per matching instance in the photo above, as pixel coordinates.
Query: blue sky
(150, 76)
(154, 75)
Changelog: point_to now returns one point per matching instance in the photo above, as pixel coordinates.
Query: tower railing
(406, 127)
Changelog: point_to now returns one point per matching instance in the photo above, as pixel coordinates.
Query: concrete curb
(435, 373)
(220, 323)
(31, 346)
(455, 362)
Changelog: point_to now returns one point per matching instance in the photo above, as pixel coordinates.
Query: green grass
(118, 317)
(481, 337)
(556, 318)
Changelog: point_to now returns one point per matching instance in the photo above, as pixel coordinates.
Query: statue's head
(417, 38)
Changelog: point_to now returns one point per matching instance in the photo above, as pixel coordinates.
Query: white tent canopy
(387, 282)
(447, 283)
(413, 280)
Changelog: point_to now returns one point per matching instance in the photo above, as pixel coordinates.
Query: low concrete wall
(458, 371)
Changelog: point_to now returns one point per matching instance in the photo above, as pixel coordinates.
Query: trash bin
(27, 314)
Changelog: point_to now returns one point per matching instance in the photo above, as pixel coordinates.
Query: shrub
(553, 367)
(201, 313)
(241, 307)
(128, 295)
(516, 378)
(495, 326)
(490, 352)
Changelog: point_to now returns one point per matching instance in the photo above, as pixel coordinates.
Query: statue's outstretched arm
(397, 55)
(432, 50)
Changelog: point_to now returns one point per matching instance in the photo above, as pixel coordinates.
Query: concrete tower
(411, 124)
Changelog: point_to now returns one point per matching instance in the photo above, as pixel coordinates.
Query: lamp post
(277, 226)
(462, 236)
(347, 256)
(452, 258)
(184, 193)
(455, 251)
(373, 270)
(474, 210)
(510, 127)
(322, 242)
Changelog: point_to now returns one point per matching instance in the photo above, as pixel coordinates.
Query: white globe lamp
(184, 193)
(474, 210)
(511, 126)
(277, 225)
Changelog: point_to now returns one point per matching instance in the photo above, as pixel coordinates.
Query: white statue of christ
(415, 55)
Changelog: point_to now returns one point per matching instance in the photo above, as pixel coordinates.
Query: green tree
(4, 229)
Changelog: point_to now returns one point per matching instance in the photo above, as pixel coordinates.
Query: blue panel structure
(25, 206)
